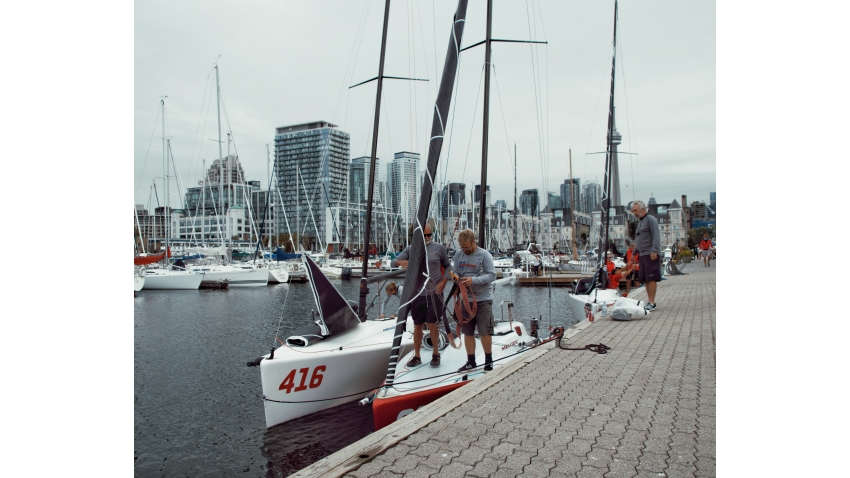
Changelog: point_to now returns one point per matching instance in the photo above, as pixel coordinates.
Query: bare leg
(487, 343)
(417, 339)
(650, 291)
(435, 338)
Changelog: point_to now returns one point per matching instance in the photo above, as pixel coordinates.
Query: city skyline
(665, 105)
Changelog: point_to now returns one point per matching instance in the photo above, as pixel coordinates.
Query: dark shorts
(426, 308)
(650, 271)
(483, 319)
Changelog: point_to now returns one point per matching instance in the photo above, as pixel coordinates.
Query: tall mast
(364, 290)
(606, 201)
(220, 164)
(515, 214)
(165, 179)
(572, 210)
(484, 140)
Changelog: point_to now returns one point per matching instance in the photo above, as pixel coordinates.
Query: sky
(283, 63)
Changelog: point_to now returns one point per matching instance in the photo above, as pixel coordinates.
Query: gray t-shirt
(437, 257)
(479, 266)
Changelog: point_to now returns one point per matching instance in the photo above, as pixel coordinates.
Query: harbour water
(198, 408)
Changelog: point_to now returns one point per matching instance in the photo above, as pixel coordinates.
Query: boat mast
(165, 178)
(484, 140)
(572, 211)
(364, 290)
(606, 202)
(515, 215)
(220, 164)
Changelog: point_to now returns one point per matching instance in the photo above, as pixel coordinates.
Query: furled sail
(335, 313)
(416, 264)
(207, 251)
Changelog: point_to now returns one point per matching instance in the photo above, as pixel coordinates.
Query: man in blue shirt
(474, 266)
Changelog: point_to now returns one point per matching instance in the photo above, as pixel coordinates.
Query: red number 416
(315, 380)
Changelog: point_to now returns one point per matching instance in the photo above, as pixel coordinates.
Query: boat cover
(145, 260)
(334, 311)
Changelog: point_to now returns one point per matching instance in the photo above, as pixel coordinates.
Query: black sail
(606, 187)
(414, 279)
(334, 311)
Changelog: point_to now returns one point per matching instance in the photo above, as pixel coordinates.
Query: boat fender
(366, 400)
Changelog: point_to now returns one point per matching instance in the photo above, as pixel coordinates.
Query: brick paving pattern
(647, 408)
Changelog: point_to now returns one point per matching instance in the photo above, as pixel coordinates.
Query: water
(198, 408)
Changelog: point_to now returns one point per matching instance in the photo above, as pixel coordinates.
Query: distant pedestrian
(648, 245)
(705, 250)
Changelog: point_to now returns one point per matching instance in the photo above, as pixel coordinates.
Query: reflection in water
(299, 443)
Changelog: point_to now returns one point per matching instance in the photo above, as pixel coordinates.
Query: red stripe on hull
(388, 410)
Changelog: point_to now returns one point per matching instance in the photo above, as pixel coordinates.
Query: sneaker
(467, 367)
(649, 307)
(488, 367)
(414, 362)
(435, 360)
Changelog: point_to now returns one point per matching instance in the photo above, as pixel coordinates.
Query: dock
(646, 408)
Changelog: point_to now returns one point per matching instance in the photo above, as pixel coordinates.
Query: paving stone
(680, 470)
(706, 466)
(591, 472)
(485, 467)
(420, 472)
(370, 468)
(599, 458)
(501, 451)
(453, 470)
(622, 469)
(426, 449)
(406, 464)
(471, 455)
(652, 462)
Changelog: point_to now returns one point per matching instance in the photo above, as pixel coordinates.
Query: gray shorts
(704, 253)
(483, 319)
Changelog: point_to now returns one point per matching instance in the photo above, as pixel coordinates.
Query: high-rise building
(478, 194)
(315, 158)
(591, 195)
(555, 201)
(529, 203)
(358, 180)
(403, 185)
(500, 205)
(712, 201)
(573, 201)
(452, 196)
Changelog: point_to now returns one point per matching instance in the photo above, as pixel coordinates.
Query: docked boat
(165, 279)
(138, 281)
(421, 385)
(237, 275)
(334, 359)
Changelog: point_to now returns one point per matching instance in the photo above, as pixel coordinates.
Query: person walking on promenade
(428, 306)
(705, 250)
(475, 269)
(648, 245)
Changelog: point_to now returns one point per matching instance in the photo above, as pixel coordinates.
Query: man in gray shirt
(428, 306)
(648, 245)
(474, 266)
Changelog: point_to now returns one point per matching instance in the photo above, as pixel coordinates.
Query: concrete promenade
(647, 408)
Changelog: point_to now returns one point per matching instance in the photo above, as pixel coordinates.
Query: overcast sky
(291, 62)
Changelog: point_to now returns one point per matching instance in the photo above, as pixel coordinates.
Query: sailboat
(590, 295)
(407, 389)
(341, 354)
(166, 277)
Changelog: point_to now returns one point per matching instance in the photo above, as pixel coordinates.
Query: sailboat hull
(236, 276)
(171, 280)
(417, 387)
(598, 297)
(339, 369)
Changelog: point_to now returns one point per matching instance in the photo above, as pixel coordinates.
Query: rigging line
(537, 110)
(543, 27)
(628, 110)
(427, 67)
(593, 121)
(504, 122)
(145, 162)
(472, 127)
(350, 75)
(350, 57)
(200, 115)
(409, 86)
(536, 53)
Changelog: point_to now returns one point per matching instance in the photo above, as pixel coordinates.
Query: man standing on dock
(474, 266)
(705, 250)
(648, 245)
(428, 306)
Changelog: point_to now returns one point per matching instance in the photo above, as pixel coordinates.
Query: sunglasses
(427, 235)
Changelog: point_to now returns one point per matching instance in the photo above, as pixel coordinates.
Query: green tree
(695, 235)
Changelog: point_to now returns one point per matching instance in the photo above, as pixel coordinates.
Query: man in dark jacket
(648, 245)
